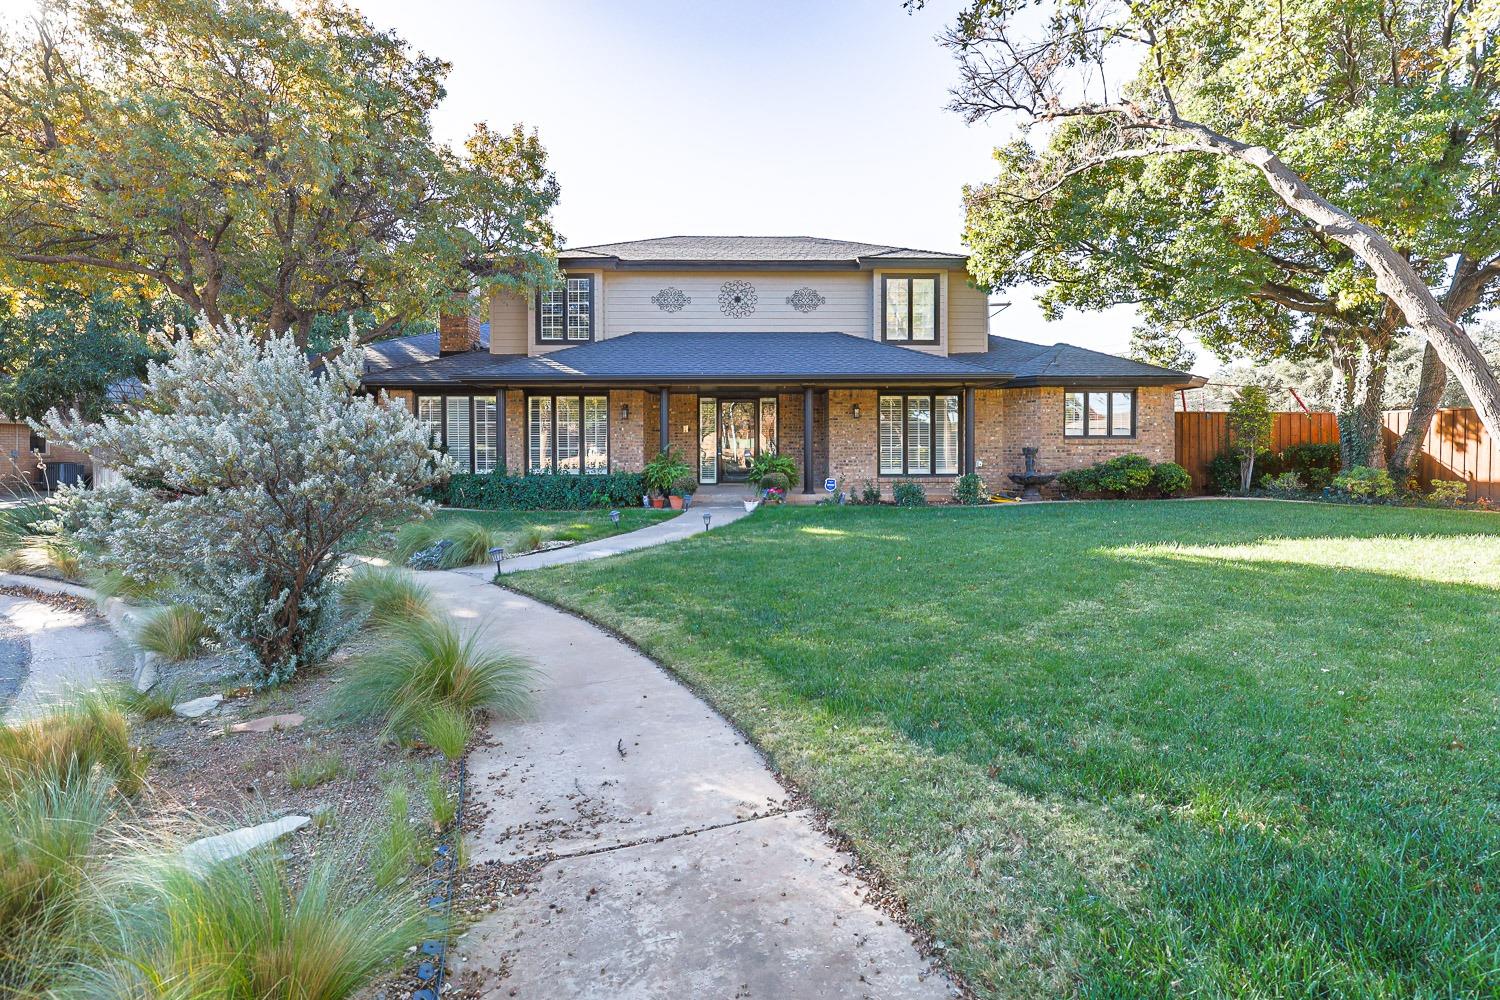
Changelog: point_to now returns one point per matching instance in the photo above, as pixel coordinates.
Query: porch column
(500, 432)
(968, 430)
(666, 423)
(807, 440)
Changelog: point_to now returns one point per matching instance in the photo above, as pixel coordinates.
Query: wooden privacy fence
(1456, 446)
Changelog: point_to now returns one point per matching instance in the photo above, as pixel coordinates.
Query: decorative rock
(267, 723)
(198, 706)
(432, 556)
(210, 850)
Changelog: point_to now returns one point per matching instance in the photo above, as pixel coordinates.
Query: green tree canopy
(255, 160)
(66, 349)
(1275, 178)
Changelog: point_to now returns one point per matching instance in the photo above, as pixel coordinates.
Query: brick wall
(1034, 417)
(458, 331)
(515, 432)
(19, 470)
(627, 438)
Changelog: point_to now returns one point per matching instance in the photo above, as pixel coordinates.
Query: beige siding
(628, 307)
(509, 319)
(876, 305)
(968, 312)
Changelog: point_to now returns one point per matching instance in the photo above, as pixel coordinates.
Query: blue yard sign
(830, 484)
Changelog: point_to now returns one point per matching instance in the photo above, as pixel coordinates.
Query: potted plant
(769, 462)
(661, 472)
(774, 486)
(682, 492)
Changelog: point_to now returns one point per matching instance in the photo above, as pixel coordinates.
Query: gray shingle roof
(417, 348)
(1060, 364)
(760, 249)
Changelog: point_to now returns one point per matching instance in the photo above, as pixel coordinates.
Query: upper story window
(565, 314)
(1099, 414)
(909, 308)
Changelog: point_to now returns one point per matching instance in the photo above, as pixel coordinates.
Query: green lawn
(1122, 749)
(561, 525)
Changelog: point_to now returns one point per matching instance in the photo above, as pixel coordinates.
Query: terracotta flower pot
(658, 502)
(676, 502)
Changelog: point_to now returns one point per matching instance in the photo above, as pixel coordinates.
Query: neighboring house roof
(700, 357)
(752, 251)
(1063, 364)
(418, 347)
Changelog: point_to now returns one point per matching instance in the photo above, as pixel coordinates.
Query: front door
(731, 432)
(737, 435)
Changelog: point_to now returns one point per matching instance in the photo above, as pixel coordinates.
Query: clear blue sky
(664, 117)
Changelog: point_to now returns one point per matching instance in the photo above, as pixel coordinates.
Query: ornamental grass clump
(428, 665)
(245, 477)
(468, 541)
(175, 632)
(244, 928)
(87, 736)
(387, 598)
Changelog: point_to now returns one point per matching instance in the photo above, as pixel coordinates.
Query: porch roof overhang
(658, 359)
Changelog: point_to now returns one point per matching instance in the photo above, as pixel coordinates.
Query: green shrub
(1448, 492)
(175, 632)
(1317, 463)
(869, 493)
(245, 928)
(1224, 471)
(969, 489)
(430, 663)
(776, 481)
(1124, 475)
(909, 494)
(768, 462)
(88, 735)
(1285, 484)
(387, 597)
(1170, 479)
(1365, 484)
(544, 491)
(683, 486)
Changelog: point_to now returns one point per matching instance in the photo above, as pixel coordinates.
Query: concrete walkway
(673, 865)
(50, 652)
(689, 522)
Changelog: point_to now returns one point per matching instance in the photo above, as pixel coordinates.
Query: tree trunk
(1394, 276)
(1360, 367)
(1430, 388)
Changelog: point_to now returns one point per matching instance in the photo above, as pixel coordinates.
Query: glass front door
(738, 430)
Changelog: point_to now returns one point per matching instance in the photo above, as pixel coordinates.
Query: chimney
(458, 327)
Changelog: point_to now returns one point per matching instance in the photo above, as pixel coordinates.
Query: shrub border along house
(499, 491)
(1126, 477)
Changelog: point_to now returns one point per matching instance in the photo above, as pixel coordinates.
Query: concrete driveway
(674, 866)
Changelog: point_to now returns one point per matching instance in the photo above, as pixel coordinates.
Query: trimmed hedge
(1126, 476)
(499, 491)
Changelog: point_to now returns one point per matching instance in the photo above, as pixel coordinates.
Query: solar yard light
(498, 554)
(614, 517)
(706, 518)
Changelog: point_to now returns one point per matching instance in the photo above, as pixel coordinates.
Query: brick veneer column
(627, 437)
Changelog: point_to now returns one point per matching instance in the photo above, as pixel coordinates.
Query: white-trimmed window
(909, 308)
(430, 413)
(566, 314)
(485, 434)
(919, 435)
(567, 434)
(458, 417)
(1100, 413)
(465, 427)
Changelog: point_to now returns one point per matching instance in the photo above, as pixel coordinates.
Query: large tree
(1220, 85)
(257, 159)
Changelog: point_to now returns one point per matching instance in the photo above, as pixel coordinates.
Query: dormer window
(910, 308)
(565, 314)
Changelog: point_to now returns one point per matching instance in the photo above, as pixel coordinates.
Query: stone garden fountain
(1031, 481)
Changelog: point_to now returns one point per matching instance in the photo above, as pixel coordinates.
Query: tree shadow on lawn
(1139, 768)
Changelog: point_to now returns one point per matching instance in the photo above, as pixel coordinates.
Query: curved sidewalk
(672, 863)
(689, 522)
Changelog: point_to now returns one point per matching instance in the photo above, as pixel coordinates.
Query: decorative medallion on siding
(805, 299)
(736, 298)
(670, 300)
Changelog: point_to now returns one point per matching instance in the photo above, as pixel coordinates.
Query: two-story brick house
(863, 362)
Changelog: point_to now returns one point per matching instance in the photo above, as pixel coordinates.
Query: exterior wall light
(856, 411)
(625, 411)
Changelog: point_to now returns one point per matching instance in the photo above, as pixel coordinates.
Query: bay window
(1099, 413)
(565, 314)
(567, 434)
(909, 308)
(919, 435)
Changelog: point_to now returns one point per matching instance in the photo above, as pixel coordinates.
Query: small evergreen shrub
(1285, 484)
(909, 494)
(544, 491)
(1316, 463)
(869, 493)
(1448, 492)
(768, 462)
(1170, 479)
(1365, 484)
(1123, 476)
(969, 489)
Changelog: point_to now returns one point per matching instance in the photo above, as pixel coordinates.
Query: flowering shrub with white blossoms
(243, 477)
